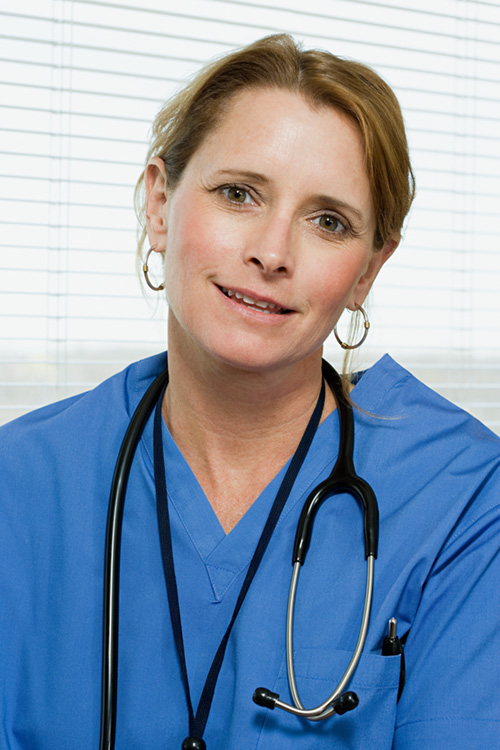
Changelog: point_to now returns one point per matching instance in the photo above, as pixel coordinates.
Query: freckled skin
(273, 238)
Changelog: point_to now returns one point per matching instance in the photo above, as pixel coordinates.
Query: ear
(377, 260)
(155, 182)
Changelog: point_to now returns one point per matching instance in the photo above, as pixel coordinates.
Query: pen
(392, 646)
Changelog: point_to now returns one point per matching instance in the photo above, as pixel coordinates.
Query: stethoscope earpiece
(265, 698)
(341, 705)
(346, 702)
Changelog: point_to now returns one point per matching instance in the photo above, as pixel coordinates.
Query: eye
(330, 223)
(236, 194)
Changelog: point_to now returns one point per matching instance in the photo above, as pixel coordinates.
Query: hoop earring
(366, 326)
(145, 271)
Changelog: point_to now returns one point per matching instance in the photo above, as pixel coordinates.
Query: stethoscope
(343, 479)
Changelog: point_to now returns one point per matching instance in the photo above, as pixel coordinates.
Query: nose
(270, 247)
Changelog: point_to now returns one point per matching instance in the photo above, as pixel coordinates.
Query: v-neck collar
(225, 556)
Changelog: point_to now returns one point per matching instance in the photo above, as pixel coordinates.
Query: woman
(275, 189)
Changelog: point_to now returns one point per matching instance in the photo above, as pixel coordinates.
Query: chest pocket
(317, 672)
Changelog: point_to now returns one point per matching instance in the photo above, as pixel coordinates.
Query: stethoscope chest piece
(194, 743)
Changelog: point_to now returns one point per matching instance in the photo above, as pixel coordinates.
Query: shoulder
(71, 428)
(123, 389)
(397, 401)
(425, 454)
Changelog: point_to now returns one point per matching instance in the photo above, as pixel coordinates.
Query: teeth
(263, 306)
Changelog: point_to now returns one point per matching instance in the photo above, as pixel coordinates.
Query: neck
(237, 428)
(218, 398)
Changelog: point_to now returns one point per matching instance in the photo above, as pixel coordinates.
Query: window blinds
(80, 83)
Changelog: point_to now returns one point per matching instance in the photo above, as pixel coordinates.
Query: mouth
(270, 308)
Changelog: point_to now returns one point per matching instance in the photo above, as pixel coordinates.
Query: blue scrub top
(435, 471)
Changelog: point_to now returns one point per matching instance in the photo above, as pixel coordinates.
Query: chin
(257, 360)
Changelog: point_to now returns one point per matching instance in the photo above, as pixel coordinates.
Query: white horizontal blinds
(80, 112)
(79, 87)
(440, 304)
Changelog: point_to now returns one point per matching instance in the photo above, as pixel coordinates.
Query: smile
(261, 305)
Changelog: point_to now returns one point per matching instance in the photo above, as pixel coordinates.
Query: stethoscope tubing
(112, 560)
(343, 479)
(324, 710)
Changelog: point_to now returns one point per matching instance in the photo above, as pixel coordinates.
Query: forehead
(279, 134)
(282, 113)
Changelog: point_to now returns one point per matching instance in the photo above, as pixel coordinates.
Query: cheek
(333, 282)
(198, 240)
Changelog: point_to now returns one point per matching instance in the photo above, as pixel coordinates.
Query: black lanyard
(198, 722)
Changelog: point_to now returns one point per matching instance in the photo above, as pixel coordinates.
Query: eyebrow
(328, 201)
(256, 176)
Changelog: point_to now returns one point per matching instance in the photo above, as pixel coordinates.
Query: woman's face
(268, 236)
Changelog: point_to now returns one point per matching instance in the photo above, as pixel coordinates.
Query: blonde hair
(321, 78)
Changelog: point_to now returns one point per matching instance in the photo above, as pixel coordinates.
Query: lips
(256, 304)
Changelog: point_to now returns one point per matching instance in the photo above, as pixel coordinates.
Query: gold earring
(366, 326)
(145, 271)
